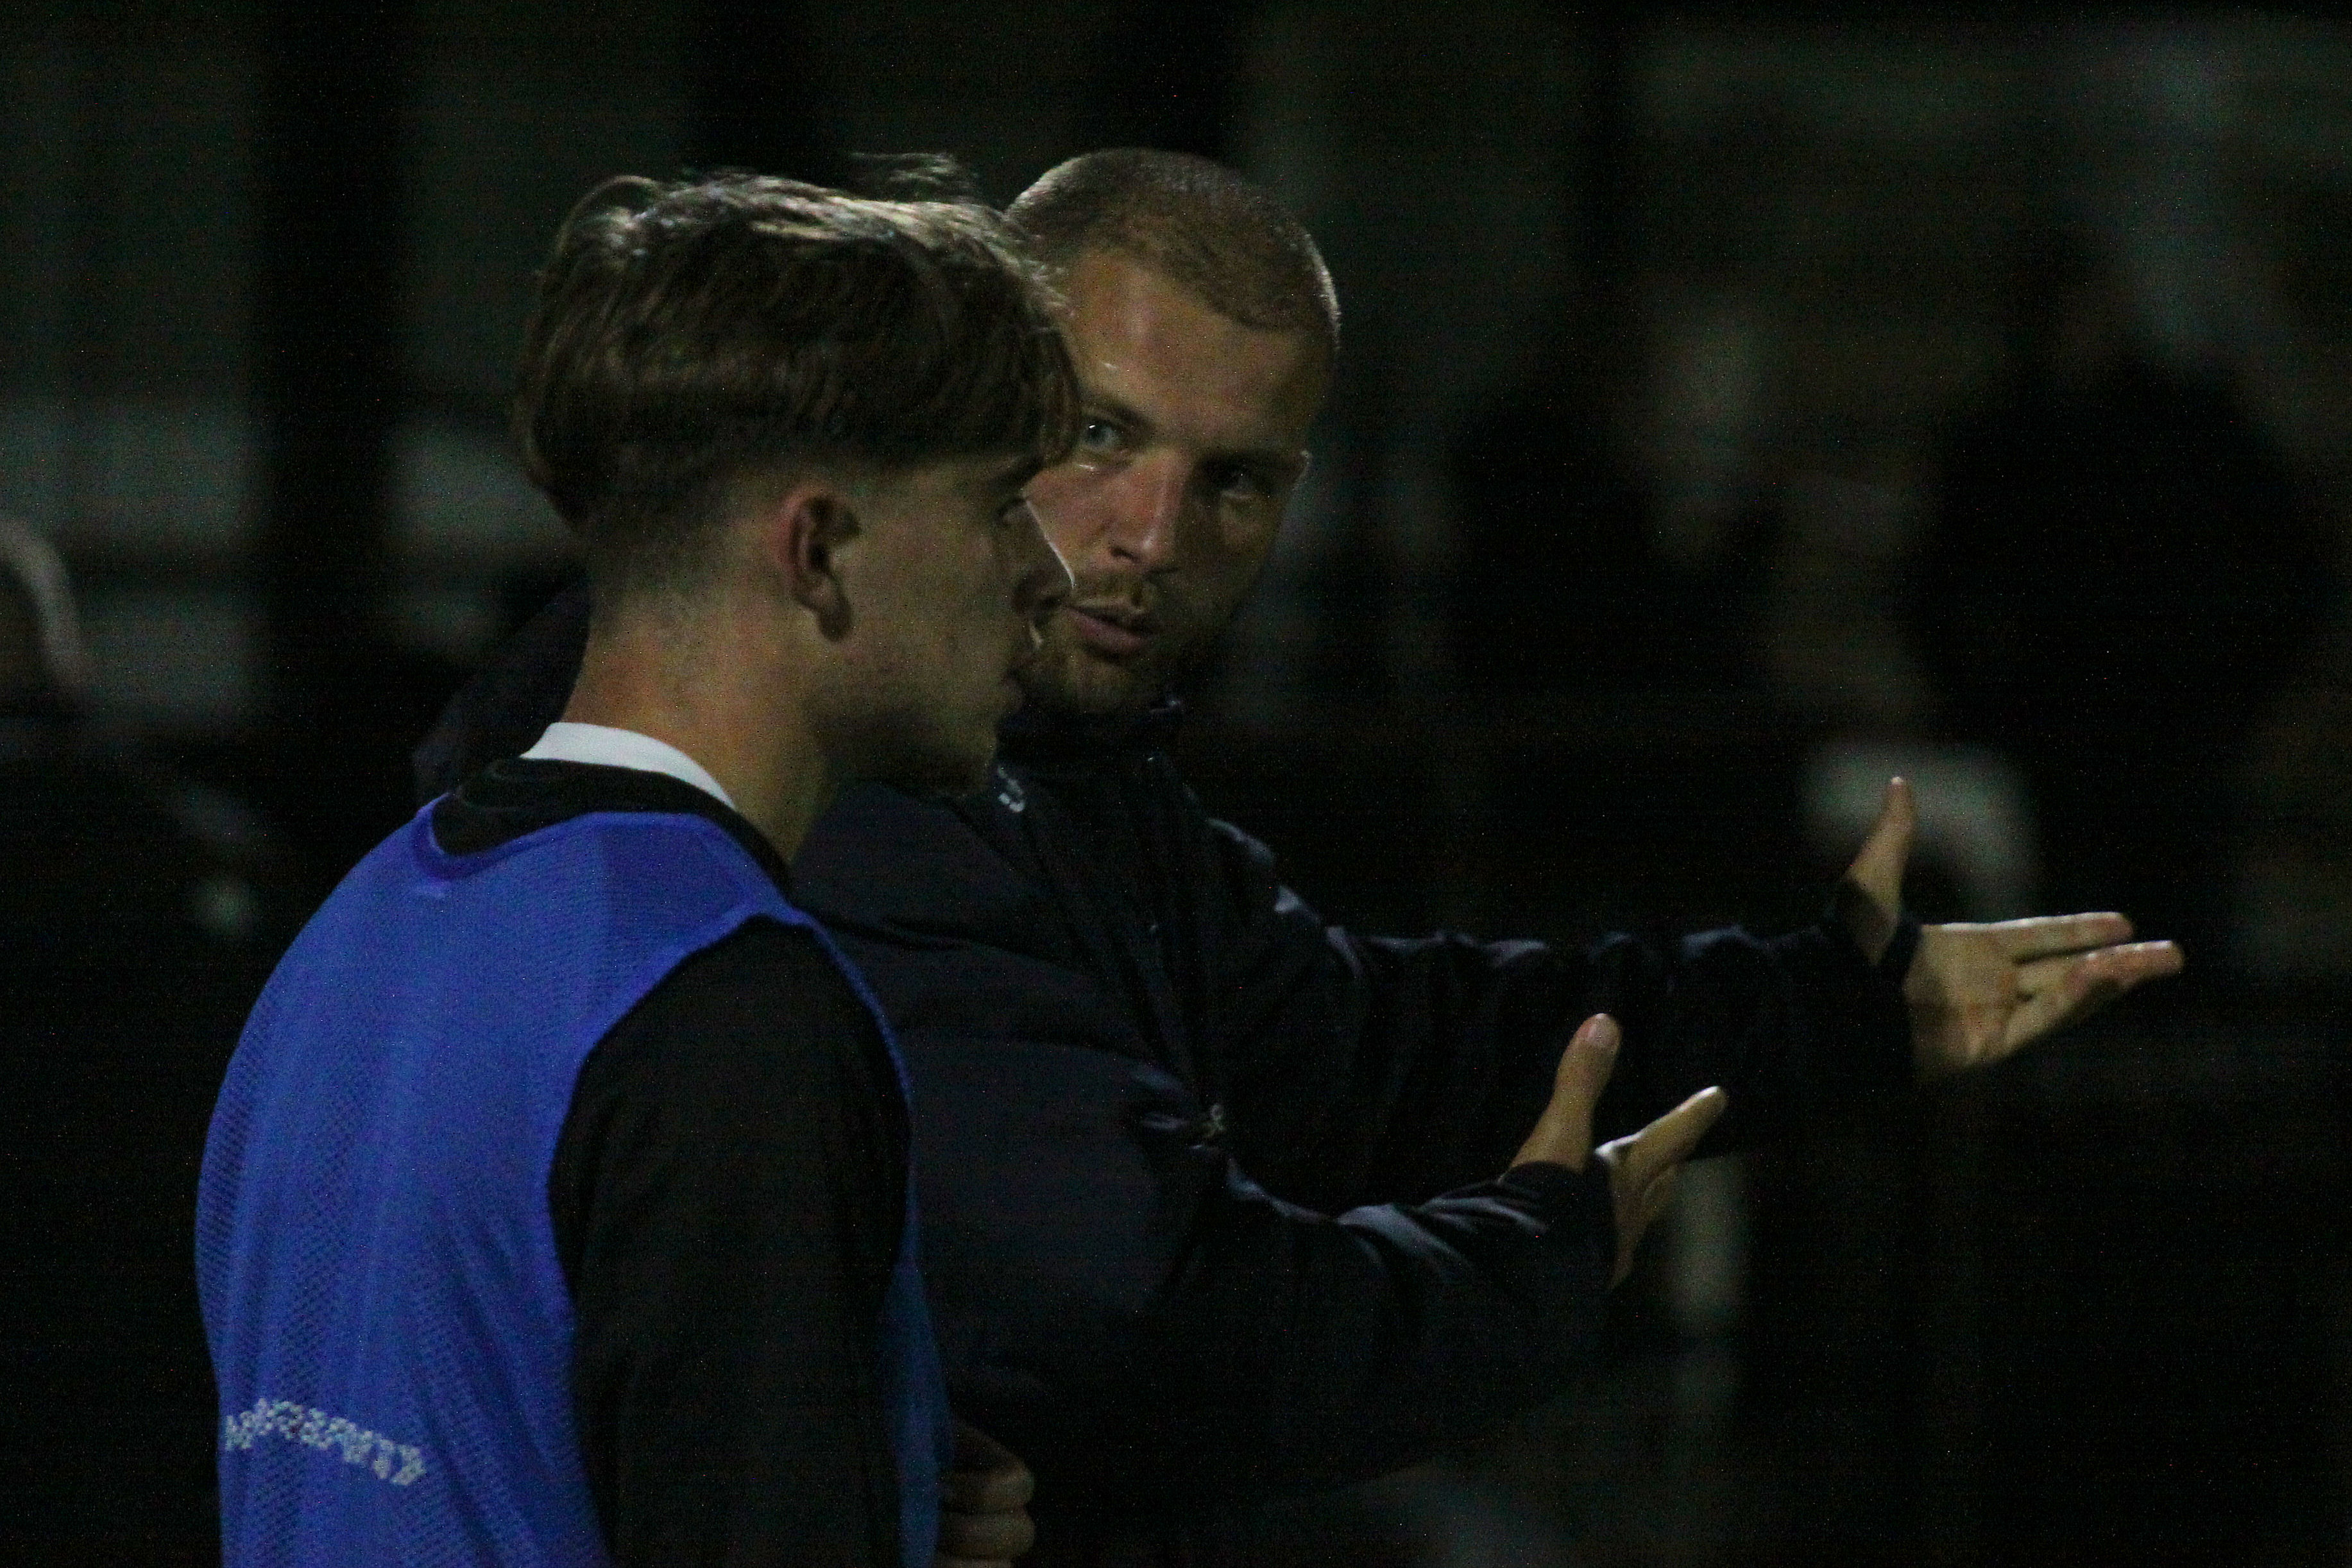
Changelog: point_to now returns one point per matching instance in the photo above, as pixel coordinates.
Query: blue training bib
(386, 1311)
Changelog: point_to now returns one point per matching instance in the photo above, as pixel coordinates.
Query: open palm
(1978, 992)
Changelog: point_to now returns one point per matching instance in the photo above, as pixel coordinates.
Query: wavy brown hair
(691, 336)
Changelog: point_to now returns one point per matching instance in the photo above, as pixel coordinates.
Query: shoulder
(744, 1099)
(656, 864)
(883, 860)
(764, 1008)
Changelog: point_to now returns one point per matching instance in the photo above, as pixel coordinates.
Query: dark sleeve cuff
(1894, 963)
(1579, 1201)
(1852, 1029)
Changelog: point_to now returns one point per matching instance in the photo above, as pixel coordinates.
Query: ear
(806, 532)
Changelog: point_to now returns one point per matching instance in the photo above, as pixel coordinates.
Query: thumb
(1877, 873)
(987, 1477)
(1563, 1133)
(1666, 1142)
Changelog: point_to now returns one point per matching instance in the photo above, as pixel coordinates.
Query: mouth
(1113, 630)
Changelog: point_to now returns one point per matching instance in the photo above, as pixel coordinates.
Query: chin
(1080, 683)
(953, 774)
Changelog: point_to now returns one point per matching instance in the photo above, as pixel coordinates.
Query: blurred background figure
(1619, 521)
(1620, 516)
(2121, 575)
(138, 913)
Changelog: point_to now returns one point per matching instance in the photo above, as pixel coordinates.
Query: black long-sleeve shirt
(727, 1197)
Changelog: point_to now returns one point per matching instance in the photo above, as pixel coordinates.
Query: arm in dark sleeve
(1116, 1299)
(1368, 1068)
(1119, 1297)
(727, 1196)
(1795, 1028)
(1122, 1306)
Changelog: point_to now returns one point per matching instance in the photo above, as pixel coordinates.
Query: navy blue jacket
(1211, 1187)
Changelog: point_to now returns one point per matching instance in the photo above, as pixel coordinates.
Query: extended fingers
(1585, 1065)
(985, 1537)
(1668, 1141)
(987, 1478)
(2059, 992)
(983, 1522)
(2125, 964)
(2046, 936)
(1644, 1168)
(1878, 868)
(980, 1492)
(1870, 896)
(2133, 963)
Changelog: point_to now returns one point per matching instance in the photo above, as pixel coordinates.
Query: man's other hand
(1978, 993)
(984, 1516)
(1641, 1165)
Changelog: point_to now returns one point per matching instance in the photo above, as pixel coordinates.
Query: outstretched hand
(1641, 1165)
(1978, 992)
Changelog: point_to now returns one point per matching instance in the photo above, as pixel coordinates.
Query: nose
(1147, 509)
(1042, 578)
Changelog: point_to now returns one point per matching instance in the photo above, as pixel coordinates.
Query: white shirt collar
(608, 747)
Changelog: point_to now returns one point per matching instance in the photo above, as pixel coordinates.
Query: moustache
(1137, 603)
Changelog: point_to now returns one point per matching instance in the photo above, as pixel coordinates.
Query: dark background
(1623, 574)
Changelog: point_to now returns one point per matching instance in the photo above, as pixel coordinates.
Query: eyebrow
(1104, 403)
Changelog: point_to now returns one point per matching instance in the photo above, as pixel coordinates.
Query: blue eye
(1100, 436)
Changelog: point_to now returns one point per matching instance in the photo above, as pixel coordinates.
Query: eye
(1100, 437)
(1240, 482)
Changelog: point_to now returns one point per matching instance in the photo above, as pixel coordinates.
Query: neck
(717, 693)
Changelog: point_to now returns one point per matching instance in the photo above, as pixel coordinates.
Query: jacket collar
(1041, 739)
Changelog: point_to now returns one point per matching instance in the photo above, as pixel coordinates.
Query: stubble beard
(1066, 677)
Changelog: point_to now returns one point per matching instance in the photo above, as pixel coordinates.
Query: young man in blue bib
(556, 1209)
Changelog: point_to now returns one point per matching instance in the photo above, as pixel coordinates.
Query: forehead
(1149, 344)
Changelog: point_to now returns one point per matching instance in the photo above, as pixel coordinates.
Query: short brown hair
(1199, 222)
(688, 336)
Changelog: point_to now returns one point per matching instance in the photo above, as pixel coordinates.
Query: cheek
(920, 622)
(1070, 503)
(1232, 551)
(975, 622)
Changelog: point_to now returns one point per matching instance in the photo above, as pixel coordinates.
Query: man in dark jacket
(1211, 1188)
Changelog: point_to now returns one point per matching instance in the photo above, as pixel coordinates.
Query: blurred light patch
(172, 476)
(456, 621)
(173, 657)
(461, 500)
